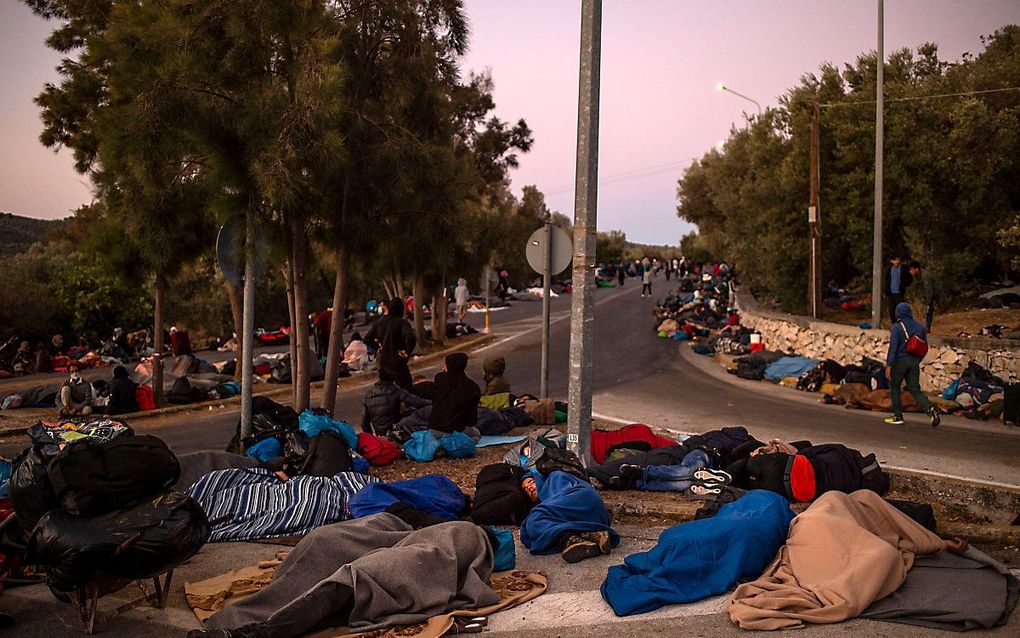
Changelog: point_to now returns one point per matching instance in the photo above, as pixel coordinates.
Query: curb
(285, 389)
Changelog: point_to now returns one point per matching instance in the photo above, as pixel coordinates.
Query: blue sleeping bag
(566, 504)
(313, 425)
(789, 367)
(432, 493)
(702, 558)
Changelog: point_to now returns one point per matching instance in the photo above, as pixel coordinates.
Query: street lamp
(722, 87)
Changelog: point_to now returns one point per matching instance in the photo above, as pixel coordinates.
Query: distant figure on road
(928, 291)
(460, 298)
(900, 365)
(75, 396)
(396, 341)
(503, 285)
(620, 274)
(322, 325)
(897, 280)
(646, 281)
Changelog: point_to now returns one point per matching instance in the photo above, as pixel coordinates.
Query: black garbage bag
(30, 490)
(140, 542)
(94, 477)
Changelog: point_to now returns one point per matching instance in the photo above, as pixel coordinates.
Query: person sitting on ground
(494, 368)
(455, 404)
(423, 387)
(75, 397)
(901, 366)
(24, 360)
(356, 354)
(382, 405)
(122, 393)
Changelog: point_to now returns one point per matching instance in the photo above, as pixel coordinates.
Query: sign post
(548, 252)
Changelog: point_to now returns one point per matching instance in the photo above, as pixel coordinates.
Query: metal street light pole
(722, 87)
(876, 257)
(582, 302)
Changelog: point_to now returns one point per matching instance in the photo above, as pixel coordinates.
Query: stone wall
(947, 357)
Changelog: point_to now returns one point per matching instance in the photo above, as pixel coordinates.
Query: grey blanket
(946, 591)
(399, 576)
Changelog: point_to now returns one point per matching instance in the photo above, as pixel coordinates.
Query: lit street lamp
(722, 87)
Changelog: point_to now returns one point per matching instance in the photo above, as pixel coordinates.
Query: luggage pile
(95, 501)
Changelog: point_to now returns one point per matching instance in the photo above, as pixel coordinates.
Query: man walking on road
(460, 298)
(901, 365)
(646, 281)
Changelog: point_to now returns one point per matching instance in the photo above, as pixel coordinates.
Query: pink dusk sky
(661, 60)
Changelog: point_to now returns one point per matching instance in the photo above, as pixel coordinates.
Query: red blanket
(636, 436)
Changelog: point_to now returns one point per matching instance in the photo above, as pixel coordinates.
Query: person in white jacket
(460, 298)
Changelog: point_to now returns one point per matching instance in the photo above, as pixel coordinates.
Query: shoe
(933, 415)
(577, 548)
(599, 538)
(712, 478)
(703, 492)
(632, 472)
(894, 420)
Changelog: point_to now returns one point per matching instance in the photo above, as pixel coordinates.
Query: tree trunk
(300, 329)
(288, 279)
(336, 331)
(419, 314)
(389, 291)
(398, 283)
(439, 316)
(157, 339)
(236, 315)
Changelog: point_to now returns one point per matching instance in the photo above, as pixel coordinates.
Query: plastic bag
(504, 552)
(266, 450)
(422, 447)
(458, 445)
(30, 489)
(314, 424)
(137, 543)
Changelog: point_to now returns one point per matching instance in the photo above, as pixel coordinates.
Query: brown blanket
(858, 395)
(843, 553)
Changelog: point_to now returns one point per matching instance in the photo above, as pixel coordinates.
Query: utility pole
(582, 302)
(546, 284)
(815, 224)
(248, 332)
(876, 256)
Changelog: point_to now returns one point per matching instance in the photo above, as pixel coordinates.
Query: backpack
(377, 450)
(1011, 404)
(328, 454)
(93, 477)
(554, 459)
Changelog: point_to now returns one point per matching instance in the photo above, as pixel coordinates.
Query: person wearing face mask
(75, 395)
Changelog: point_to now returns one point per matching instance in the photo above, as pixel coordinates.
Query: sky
(661, 61)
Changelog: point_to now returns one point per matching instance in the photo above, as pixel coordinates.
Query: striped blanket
(256, 504)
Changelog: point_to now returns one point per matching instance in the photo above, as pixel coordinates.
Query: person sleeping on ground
(809, 473)
(367, 574)
(569, 517)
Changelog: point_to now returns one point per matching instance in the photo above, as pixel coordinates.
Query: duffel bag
(141, 542)
(91, 477)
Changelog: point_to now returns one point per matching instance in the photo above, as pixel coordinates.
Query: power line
(923, 97)
(637, 173)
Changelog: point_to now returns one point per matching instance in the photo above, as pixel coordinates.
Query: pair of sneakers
(709, 483)
(583, 545)
(933, 417)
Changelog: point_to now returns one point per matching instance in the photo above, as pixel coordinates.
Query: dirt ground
(948, 324)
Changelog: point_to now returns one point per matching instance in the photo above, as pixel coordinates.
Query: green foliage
(1009, 238)
(694, 247)
(610, 247)
(952, 176)
(17, 233)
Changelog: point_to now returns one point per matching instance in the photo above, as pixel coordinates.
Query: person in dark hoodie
(396, 341)
(122, 393)
(455, 400)
(381, 407)
(494, 368)
(902, 366)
